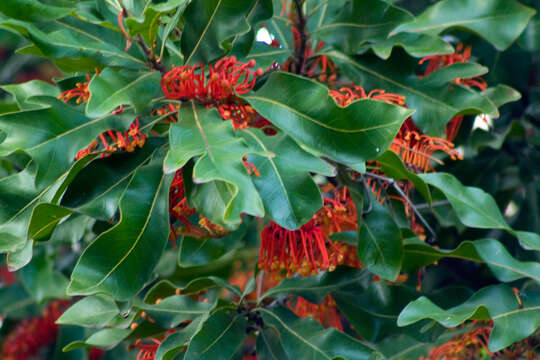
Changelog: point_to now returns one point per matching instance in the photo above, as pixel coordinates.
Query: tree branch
(405, 197)
(301, 27)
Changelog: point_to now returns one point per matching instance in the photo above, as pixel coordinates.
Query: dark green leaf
(173, 344)
(219, 338)
(133, 246)
(211, 25)
(32, 10)
(304, 338)
(106, 338)
(417, 45)
(41, 280)
(173, 310)
(303, 109)
(359, 21)
(44, 219)
(498, 21)
(22, 92)
(379, 242)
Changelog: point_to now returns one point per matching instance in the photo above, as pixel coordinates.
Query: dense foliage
(271, 179)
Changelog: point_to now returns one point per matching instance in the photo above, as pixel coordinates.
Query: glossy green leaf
(92, 311)
(289, 194)
(213, 23)
(502, 94)
(54, 135)
(303, 109)
(434, 105)
(79, 45)
(202, 132)
(173, 310)
(32, 10)
(204, 283)
(497, 302)
(489, 251)
(317, 287)
(393, 167)
(112, 88)
(134, 245)
(498, 21)
(305, 338)
(360, 21)
(380, 243)
(106, 338)
(44, 219)
(451, 72)
(476, 208)
(417, 45)
(22, 92)
(266, 55)
(219, 337)
(173, 344)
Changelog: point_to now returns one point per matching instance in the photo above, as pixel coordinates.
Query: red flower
(6, 277)
(80, 92)
(306, 250)
(33, 334)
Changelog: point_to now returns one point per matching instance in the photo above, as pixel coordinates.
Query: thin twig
(301, 27)
(433, 204)
(152, 60)
(404, 196)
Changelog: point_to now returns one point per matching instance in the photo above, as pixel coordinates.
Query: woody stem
(405, 197)
(301, 27)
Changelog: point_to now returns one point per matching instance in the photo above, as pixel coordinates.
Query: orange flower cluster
(80, 92)
(462, 347)
(325, 313)
(346, 95)
(33, 334)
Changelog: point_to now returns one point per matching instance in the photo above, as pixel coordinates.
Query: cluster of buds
(31, 335)
(113, 141)
(325, 313)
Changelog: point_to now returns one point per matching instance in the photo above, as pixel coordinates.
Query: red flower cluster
(80, 92)
(33, 334)
(227, 78)
(462, 347)
(346, 95)
(113, 141)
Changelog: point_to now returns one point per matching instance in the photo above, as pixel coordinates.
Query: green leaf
(489, 251)
(203, 283)
(92, 311)
(502, 94)
(212, 24)
(32, 10)
(173, 344)
(54, 135)
(304, 338)
(219, 338)
(317, 287)
(451, 72)
(434, 105)
(266, 55)
(497, 302)
(379, 242)
(476, 208)
(269, 346)
(499, 22)
(303, 109)
(287, 189)
(417, 45)
(79, 45)
(134, 245)
(360, 21)
(22, 92)
(44, 219)
(112, 88)
(106, 338)
(173, 310)
(393, 167)
(202, 132)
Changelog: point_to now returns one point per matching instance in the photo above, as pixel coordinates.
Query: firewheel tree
(270, 179)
